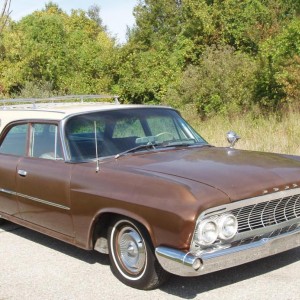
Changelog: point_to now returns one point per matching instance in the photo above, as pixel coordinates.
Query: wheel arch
(101, 222)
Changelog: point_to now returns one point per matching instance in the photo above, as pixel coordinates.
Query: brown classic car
(138, 183)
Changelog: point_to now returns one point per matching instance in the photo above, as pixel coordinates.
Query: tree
(5, 12)
(223, 83)
(94, 13)
(279, 81)
(167, 54)
(71, 53)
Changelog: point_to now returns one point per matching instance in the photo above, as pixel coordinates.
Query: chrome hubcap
(131, 250)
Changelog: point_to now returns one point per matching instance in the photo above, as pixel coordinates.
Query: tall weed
(257, 132)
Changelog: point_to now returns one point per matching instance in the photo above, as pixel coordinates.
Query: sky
(116, 14)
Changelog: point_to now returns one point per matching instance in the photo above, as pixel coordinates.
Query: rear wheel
(132, 259)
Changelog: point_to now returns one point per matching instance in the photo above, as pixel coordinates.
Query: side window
(44, 142)
(14, 142)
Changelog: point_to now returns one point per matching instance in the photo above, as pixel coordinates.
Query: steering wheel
(165, 133)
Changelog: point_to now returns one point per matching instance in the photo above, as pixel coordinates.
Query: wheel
(132, 259)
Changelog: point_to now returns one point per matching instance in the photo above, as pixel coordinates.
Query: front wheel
(132, 259)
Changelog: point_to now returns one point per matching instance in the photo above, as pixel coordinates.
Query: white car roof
(53, 110)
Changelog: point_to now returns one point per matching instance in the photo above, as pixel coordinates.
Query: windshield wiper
(186, 143)
(140, 147)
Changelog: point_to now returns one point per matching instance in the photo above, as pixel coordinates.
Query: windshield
(118, 131)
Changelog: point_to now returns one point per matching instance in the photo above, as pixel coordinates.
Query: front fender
(166, 206)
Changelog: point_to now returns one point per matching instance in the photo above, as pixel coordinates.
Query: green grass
(267, 134)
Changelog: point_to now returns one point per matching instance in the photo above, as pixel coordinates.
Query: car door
(43, 181)
(12, 148)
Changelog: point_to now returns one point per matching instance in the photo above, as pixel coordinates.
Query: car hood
(239, 174)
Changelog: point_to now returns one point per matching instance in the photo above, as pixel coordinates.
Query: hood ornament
(232, 138)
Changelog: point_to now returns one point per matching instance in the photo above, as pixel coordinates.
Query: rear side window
(14, 142)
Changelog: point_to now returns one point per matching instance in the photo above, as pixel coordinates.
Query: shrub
(223, 82)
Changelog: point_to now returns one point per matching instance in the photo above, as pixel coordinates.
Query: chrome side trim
(175, 261)
(9, 192)
(43, 201)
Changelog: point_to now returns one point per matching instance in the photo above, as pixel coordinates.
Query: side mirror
(232, 138)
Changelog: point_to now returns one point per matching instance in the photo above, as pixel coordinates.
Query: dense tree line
(54, 52)
(224, 56)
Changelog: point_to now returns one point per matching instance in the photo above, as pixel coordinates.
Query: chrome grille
(272, 234)
(268, 213)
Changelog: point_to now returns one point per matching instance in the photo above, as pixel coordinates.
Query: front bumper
(186, 264)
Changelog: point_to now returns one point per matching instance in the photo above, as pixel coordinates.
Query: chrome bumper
(186, 264)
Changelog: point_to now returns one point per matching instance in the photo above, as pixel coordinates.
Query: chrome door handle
(22, 173)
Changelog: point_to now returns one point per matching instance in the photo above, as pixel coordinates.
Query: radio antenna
(96, 147)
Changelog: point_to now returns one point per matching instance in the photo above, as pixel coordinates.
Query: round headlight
(228, 227)
(207, 232)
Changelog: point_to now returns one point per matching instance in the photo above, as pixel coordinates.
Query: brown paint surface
(165, 190)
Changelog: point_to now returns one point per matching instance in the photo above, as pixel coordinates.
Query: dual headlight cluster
(211, 229)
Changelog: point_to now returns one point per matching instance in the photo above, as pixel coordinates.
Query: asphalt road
(34, 266)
